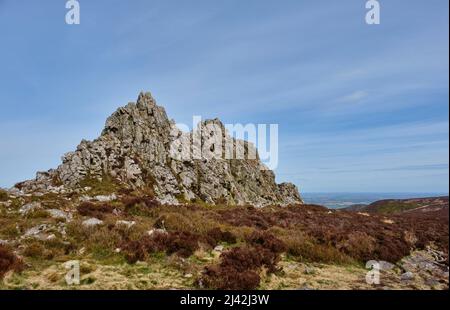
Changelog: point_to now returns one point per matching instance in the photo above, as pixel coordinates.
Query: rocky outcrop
(139, 147)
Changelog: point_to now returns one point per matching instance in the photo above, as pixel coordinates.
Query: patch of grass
(390, 207)
(104, 186)
(307, 250)
(174, 222)
(3, 195)
(9, 229)
(46, 250)
(37, 214)
(97, 210)
(139, 206)
(9, 261)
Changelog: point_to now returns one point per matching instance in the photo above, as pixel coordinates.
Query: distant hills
(401, 206)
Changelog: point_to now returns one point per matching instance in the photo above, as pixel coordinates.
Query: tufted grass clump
(3, 195)
(9, 261)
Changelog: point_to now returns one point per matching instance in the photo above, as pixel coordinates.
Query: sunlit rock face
(140, 147)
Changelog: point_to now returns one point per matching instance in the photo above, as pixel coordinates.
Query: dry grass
(9, 261)
(257, 242)
(97, 210)
(3, 195)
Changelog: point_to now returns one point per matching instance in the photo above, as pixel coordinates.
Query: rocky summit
(137, 149)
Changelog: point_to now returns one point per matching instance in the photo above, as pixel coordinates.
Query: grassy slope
(334, 244)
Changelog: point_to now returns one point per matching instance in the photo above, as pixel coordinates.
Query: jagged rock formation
(140, 147)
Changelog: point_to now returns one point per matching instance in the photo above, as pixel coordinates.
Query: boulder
(59, 214)
(30, 207)
(92, 222)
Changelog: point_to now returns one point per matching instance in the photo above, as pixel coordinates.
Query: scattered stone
(168, 200)
(6, 204)
(156, 231)
(188, 275)
(309, 270)
(105, 198)
(407, 276)
(59, 214)
(85, 198)
(92, 222)
(15, 192)
(30, 207)
(39, 232)
(432, 282)
(386, 265)
(51, 237)
(218, 248)
(127, 224)
(305, 287)
(36, 230)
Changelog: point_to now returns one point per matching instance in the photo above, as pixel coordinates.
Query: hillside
(128, 240)
(435, 205)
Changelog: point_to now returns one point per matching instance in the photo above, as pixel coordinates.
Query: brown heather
(94, 209)
(9, 261)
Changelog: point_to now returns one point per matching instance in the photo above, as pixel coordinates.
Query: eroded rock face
(138, 148)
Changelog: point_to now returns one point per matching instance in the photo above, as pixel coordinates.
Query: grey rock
(218, 248)
(59, 214)
(384, 265)
(140, 147)
(127, 224)
(51, 237)
(105, 198)
(407, 276)
(29, 207)
(92, 222)
(153, 231)
(432, 282)
(36, 230)
(309, 270)
(85, 198)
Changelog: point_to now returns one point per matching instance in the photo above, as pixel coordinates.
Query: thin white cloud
(354, 97)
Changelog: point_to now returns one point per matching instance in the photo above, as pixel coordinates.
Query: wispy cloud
(353, 97)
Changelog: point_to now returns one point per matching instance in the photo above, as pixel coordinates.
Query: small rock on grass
(127, 224)
(29, 207)
(92, 222)
(407, 276)
(59, 214)
(156, 231)
(309, 270)
(218, 248)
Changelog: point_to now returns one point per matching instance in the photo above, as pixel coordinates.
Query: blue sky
(360, 108)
